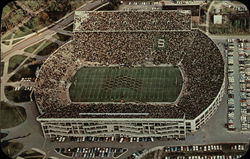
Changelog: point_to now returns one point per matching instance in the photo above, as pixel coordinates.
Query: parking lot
(107, 152)
(104, 139)
(238, 51)
(211, 151)
(137, 5)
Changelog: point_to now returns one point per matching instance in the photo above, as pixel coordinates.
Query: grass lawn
(2, 135)
(69, 28)
(11, 115)
(7, 37)
(1, 69)
(17, 96)
(15, 41)
(6, 42)
(61, 37)
(11, 148)
(29, 71)
(22, 31)
(145, 84)
(33, 47)
(32, 154)
(15, 61)
(34, 24)
(10, 7)
(47, 48)
(33, 5)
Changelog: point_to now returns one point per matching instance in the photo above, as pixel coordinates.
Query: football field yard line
(145, 84)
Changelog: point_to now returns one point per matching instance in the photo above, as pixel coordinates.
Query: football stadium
(130, 73)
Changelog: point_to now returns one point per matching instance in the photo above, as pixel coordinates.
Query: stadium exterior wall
(170, 128)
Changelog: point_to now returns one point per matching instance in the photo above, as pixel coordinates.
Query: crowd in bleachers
(132, 48)
(74, 110)
(204, 69)
(133, 20)
(193, 51)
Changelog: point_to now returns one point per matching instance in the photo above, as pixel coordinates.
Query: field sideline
(114, 84)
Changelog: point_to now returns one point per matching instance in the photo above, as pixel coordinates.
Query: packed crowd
(74, 110)
(132, 49)
(204, 69)
(193, 51)
(132, 20)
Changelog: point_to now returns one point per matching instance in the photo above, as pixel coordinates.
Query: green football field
(113, 84)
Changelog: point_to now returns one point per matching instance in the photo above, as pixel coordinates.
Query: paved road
(52, 30)
(208, 16)
(236, 86)
(225, 37)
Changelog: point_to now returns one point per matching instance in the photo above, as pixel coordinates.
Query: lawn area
(33, 47)
(7, 37)
(11, 116)
(11, 148)
(15, 61)
(34, 5)
(32, 154)
(34, 24)
(7, 9)
(6, 42)
(2, 135)
(62, 37)
(17, 96)
(28, 71)
(112, 84)
(22, 31)
(2, 68)
(69, 28)
(15, 41)
(47, 48)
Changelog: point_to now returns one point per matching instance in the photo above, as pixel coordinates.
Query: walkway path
(236, 86)
(24, 7)
(208, 16)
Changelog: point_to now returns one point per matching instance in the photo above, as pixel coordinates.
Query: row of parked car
(205, 157)
(238, 147)
(244, 81)
(94, 152)
(193, 148)
(105, 139)
(29, 88)
(92, 139)
(245, 85)
(136, 139)
(60, 139)
(231, 82)
(136, 154)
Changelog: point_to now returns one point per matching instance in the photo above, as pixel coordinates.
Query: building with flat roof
(217, 19)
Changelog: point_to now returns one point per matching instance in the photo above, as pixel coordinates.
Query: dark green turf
(108, 84)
